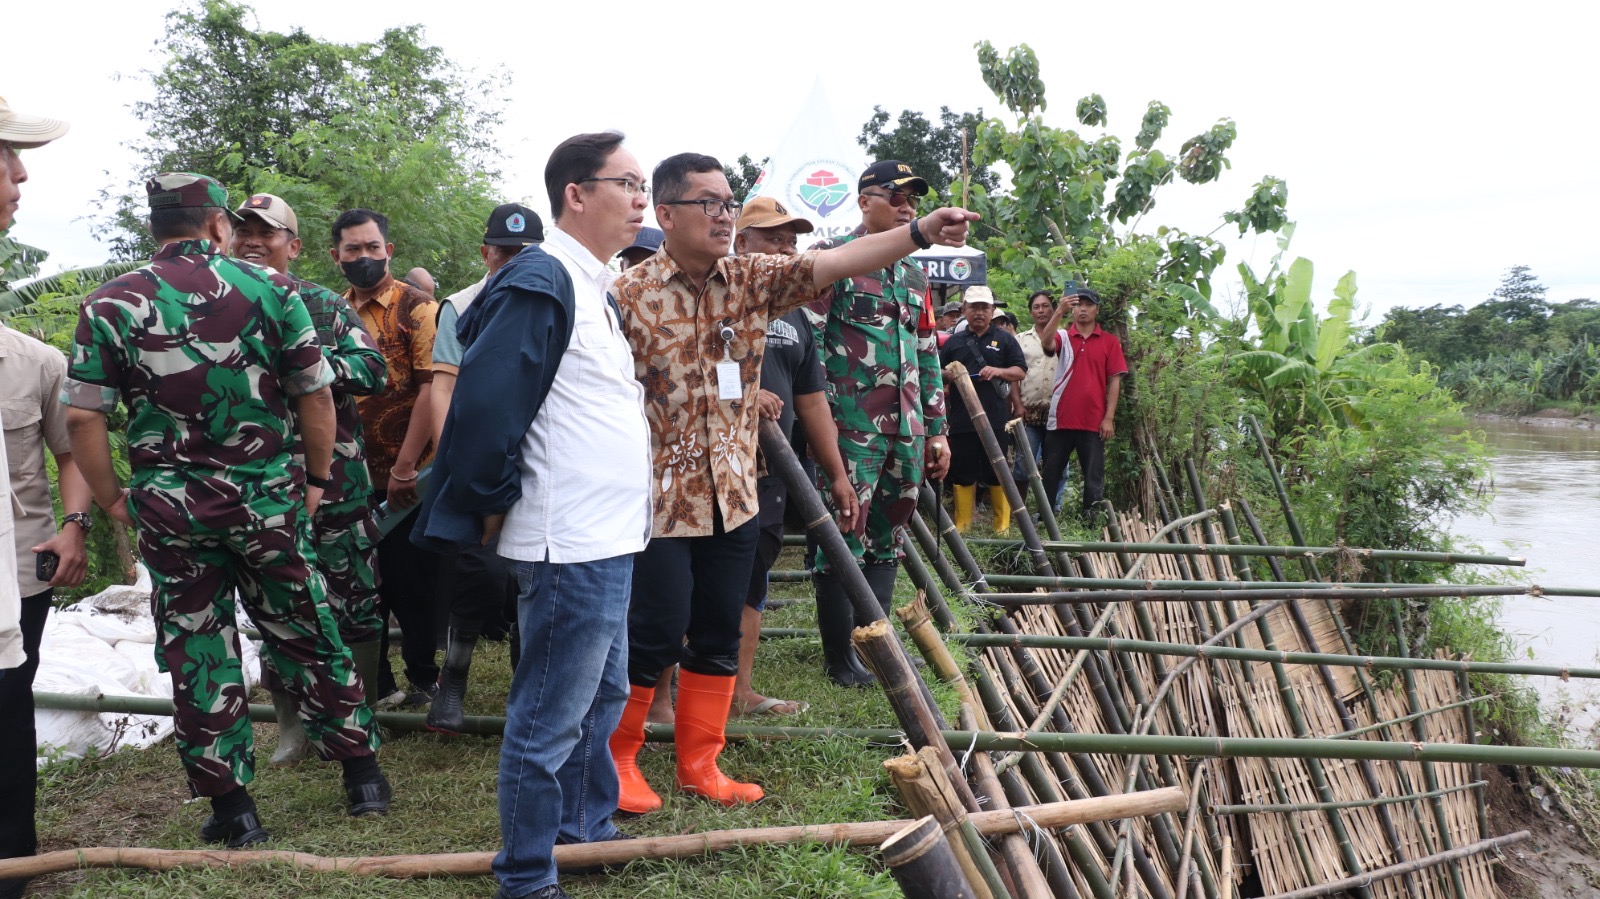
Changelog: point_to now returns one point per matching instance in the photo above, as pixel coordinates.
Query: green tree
(935, 152)
(744, 173)
(389, 124)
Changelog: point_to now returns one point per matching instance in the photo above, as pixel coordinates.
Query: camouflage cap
(186, 190)
(25, 132)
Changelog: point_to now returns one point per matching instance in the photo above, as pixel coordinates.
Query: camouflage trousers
(886, 471)
(347, 557)
(195, 576)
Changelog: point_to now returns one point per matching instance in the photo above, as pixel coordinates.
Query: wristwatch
(314, 481)
(81, 519)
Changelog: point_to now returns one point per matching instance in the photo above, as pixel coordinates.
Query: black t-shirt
(997, 348)
(792, 365)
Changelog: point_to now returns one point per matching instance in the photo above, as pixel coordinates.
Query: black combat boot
(446, 715)
(835, 619)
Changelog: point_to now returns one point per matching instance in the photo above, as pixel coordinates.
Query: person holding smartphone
(46, 555)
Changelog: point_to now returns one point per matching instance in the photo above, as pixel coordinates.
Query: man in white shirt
(546, 449)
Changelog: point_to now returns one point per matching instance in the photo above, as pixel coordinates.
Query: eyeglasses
(896, 198)
(629, 186)
(711, 206)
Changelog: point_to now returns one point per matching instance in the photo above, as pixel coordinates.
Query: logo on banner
(960, 269)
(821, 190)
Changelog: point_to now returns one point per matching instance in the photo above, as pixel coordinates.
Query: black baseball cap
(513, 225)
(894, 174)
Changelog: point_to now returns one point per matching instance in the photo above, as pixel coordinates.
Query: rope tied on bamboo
(1032, 832)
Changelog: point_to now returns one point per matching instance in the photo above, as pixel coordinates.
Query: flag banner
(814, 171)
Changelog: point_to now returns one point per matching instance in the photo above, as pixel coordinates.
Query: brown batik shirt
(703, 448)
(401, 319)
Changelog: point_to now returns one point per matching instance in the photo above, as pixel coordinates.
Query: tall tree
(933, 151)
(389, 124)
(743, 174)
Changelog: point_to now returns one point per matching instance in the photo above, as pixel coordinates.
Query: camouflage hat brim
(26, 132)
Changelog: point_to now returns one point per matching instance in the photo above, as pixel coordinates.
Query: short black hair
(574, 159)
(1049, 295)
(671, 177)
(353, 217)
(178, 222)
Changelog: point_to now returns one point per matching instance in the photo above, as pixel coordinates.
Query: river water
(1544, 505)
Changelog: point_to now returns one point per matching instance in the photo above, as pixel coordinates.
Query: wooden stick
(1337, 886)
(966, 178)
(616, 852)
(923, 864)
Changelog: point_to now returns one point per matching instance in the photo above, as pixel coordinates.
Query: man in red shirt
(1083, 404)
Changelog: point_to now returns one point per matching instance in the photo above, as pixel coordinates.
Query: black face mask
(366, 272)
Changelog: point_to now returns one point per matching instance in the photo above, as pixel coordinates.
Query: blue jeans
(1020, 474)
(557, 779)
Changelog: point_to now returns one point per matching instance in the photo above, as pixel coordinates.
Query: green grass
(445, 802)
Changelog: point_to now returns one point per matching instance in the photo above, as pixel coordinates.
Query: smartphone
(44, 565)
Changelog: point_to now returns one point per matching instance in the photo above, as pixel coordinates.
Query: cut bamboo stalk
(946, 529)
(918, 717)
(1078, 547)
(615, 852)
(926, 790)
(1176, 524)
(1023, 448)
(1449, 856)
(1430, 777)
(1351, 803)
(921, 861)
(956, 376)
(1472, 737)
(1289, 518)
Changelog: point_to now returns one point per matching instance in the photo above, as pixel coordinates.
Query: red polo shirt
(1078, 402)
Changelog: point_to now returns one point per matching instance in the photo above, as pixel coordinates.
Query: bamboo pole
(1430, 777)
(1077, 547)
(1450, 856)
(921, 861)
(1027, 877)
(1350, 803)
(1373, 590)
(1243, 591)
(1289, 518)
(956, 375)
(1176, 524)
(946, 529)
(581, 855)
(926, 790)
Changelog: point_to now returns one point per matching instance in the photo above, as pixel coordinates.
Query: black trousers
(774, 499)
(1059, 447)
(476, 583)
(690, 587)
(969, 464)
(406, 578)
(18, 742)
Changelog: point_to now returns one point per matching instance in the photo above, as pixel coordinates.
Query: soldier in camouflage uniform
(207, 353)
(876, 333)
(346, 535)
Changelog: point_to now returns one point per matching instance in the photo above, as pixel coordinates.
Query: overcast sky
(1427, 146)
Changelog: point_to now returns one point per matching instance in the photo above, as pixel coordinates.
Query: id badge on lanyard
(729, 386)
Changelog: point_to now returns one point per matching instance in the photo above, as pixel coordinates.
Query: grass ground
(445, 802)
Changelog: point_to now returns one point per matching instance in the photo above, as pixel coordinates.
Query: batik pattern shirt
(703, 448)
(401, 319)
(207, 353)
(880, 350)
(359, 370)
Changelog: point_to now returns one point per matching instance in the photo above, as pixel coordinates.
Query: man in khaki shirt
(32, 417)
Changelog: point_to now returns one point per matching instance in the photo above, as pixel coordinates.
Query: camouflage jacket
(359, 369)
(883, 369)
(206, 352)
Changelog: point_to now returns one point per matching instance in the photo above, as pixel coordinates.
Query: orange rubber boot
(634, 795)
(700, 734)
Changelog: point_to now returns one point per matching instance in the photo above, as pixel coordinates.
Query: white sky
(1428, 146)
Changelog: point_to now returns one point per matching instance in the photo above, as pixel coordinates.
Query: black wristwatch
(314, 481)
(81, 519)
(917, 237)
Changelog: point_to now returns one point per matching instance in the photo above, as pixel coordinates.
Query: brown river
(1544, 505)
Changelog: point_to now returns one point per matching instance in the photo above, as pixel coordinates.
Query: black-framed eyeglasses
(711, 206)
(896, 198)
(629, 186)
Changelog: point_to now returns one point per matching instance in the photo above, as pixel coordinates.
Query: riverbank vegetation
(1515, 353)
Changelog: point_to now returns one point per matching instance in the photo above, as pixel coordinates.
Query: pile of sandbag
(105, 645)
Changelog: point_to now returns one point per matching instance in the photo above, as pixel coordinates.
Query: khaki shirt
(704, 447)
(31, 377)
(1041, 376)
